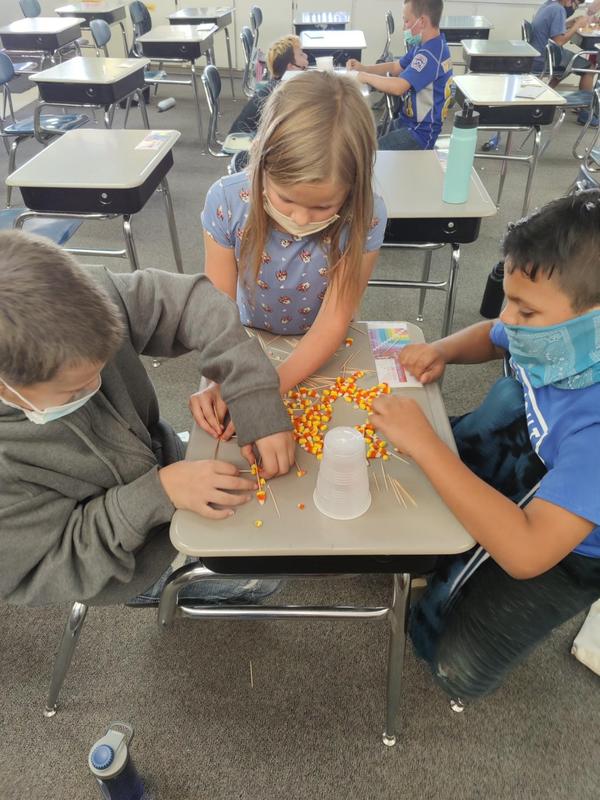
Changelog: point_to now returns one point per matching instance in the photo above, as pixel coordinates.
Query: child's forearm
(395, 85)
(382, 69)
(470, 346)
(314, 349)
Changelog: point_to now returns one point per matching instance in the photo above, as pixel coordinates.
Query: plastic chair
(58, 230)
(141, 22)
(247, 38)
(256, 18)
(526, 31)
(30, 8)
(101, 34)
(18, 130)
(211, 80)
(390, 27)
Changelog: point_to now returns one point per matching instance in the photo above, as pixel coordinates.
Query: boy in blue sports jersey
(527, 483)
(422, 78)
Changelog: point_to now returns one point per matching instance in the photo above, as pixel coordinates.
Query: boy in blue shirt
(526, 484)
(422, 78)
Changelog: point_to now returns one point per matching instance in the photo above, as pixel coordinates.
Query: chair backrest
(389, 30)
(7, 73)
(389, 24)
(553, 56)
(211, 80)
(256, 18)
(30, 8)
(526, 31)
(140, 18)
(247, 43)
(100, 30)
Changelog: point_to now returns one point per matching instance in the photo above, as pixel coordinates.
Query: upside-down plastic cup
(342, 490)
(324, 63)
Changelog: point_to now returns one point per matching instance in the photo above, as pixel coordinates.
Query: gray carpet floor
(310, 725)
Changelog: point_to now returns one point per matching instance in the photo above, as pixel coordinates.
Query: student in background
(422, 78)
(285, 54)
(550, 22)
(295, 238)
(90, 474)
(527, 485)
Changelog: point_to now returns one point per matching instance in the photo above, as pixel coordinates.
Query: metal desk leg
(129, 243)
(65, 654)
(504, 167)
(425, 279)
(197, 97)
(398, 616)
(172, 226)
(229, 60)
(451, 290)
(531, 168)
(142, 105)
(12, 157)
(125, 43)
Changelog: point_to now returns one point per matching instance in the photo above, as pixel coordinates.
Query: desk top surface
(322, 18)
(201, 12)
(423, 171)
(460, 22)
(502, 90)
(90, 70)
(89, 158)
(498, 47)
(315, 40)
(100, 7)
(41, 25)
(386, 528)
(177, 33)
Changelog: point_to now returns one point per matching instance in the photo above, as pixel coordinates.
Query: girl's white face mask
(51, 413)
(288, 224)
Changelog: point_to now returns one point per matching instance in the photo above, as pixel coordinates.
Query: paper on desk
(205, 26)
(387, 340)
(314, 35)
(530, 92)
(153, 140)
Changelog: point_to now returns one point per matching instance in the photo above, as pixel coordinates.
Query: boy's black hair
(561, 241)
(428, 8)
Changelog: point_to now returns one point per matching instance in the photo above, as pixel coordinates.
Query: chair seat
(154, 75)
(49, 122)
(579, 99)
(236, 142)
(58, 230)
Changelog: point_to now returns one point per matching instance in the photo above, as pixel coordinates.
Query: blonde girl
(295, 238)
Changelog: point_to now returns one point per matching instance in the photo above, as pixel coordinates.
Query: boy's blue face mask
(566, 356)
(412, 39)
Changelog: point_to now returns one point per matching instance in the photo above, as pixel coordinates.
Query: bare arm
(390, 85)
(391, 67)
(220, 266)
(573, 27)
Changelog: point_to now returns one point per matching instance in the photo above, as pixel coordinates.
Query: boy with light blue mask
(526, 483)
(422, 78)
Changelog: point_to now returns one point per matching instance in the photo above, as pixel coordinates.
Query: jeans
(246, 590)
(474, 636)
(399, 137)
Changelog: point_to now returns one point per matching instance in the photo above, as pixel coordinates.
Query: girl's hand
(425, 361)
(354, 63)
(276, 451)
(403, 423)
(209, 410)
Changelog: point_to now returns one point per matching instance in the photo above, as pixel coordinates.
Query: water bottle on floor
(493, 295)
(112, 766)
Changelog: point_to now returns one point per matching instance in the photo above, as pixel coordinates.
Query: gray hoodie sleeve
(171, 314)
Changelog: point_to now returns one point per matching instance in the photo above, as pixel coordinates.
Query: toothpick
(251, 676)
(395, 455)
(385, 483)
(406, 492)
(358, 330)
(399, 497)
(216, 453)
(292, 343)
(274, 501)
(376, 481)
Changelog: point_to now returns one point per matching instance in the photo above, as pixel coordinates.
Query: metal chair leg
(451, 290)
(66, 649)
(129, 243)
(172, 225)
(424, 277)
(229, 61)
(531, 169)
(504, 168)
(398, 616)
(11, 168)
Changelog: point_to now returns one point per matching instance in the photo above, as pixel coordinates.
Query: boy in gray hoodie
(90, 475)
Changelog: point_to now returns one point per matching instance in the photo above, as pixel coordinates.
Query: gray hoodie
(83, 515)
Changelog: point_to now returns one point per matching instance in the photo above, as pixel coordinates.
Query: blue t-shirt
(428, 69)
(292, 280)
(564, 430)
(550, 21)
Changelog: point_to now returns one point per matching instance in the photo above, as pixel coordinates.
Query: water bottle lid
(467, 117)
(102, 756)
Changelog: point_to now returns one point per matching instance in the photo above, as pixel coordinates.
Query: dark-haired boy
(527, 486)
(90, 475)
(422, 78)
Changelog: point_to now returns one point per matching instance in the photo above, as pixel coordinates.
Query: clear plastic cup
(324, 63)
(342, 490)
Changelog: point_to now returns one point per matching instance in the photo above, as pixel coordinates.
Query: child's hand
(354, 63)
(277, 453)
(402, 422)
(209, 410)
(424, 361)
(192, 485)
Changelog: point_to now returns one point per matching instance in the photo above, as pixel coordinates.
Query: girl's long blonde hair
(315, 128)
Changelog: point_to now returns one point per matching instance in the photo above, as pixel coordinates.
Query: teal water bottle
(461, 155)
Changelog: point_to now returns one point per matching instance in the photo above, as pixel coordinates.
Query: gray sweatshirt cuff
(258, 414)
(144, 505)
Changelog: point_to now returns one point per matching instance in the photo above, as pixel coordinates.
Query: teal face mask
(40, 417)
(412, 39)
(566, 356)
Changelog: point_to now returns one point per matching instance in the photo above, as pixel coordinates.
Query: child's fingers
(229, 431)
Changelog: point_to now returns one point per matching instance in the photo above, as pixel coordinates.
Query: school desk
(295, 540)
(457, 28)
(221, 17)
(100, 174)
(176, 44)
(342, 45)
(587, 38)
(111, 11)
(320, 20)
(41, 35)
(511, 103)
(92, 83)
(419, 219)
(512, 56)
